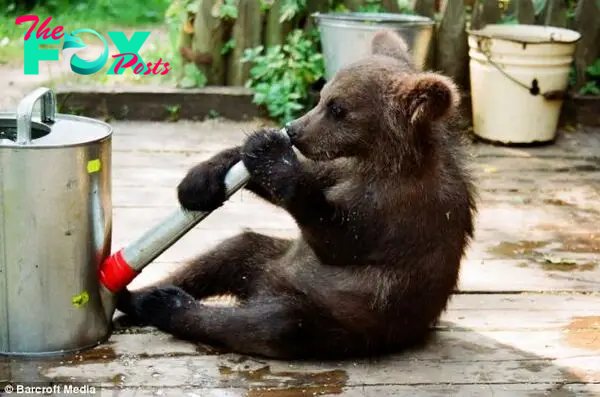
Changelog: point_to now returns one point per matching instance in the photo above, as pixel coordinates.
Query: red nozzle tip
(115, 272)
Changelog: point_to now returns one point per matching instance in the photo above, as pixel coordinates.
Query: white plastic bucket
(519, 75)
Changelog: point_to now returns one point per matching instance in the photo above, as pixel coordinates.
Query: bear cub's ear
(426, 97)
(387, 42)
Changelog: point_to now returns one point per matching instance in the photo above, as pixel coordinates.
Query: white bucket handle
(534, 89)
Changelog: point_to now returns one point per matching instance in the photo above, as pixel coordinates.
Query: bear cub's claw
(203, 188)
(265, 148)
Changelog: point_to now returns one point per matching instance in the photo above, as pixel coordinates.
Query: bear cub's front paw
(267, 148)
(203, 188)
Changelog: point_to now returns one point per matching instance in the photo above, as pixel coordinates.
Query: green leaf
(594, 69)
(590, 88)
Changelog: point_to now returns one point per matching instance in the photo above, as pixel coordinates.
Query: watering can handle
(25, 111)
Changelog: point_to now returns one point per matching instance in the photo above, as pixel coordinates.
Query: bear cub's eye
(335, 109)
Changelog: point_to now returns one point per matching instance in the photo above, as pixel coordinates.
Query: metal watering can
(57, 277)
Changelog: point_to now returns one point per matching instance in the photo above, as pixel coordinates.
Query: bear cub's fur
(385, 207)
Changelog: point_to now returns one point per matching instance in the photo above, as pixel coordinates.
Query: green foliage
(95, 12)
(290, 8)
(592, 86)
(228, 46)
(281, 76)
(225, 9)
(184, 75)
(192, 77)
(371, 6)
(99, 15)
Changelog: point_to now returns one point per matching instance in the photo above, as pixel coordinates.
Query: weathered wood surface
(554, 13)
(537, 230)
(208, 39)
(247, 32)
(485, 12)
(524, 11)
(514, 344)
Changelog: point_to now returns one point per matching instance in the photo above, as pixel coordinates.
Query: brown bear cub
(385, 209)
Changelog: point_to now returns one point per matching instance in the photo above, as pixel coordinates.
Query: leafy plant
(228, 46)
(371, 6)
(592, 86)
(187, 75)
(225, 9)
(290, 8)
(281, 76)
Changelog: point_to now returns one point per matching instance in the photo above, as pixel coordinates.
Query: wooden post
(274, 28)
(353, 5)
(246, 33)
(426, 8)
(313, 6)
(390, 6)
(185, 42)
(554, 14)
(524, 12)
(587, 21)
(208, 42)
(452, 45)
(485, 12)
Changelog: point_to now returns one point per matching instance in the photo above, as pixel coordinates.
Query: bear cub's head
(379, 103)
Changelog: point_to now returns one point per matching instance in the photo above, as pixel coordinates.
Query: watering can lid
(48, 131)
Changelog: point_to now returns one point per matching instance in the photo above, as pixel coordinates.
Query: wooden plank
(273, 34)
(452, 48)
(210, 371)
(524, 12)
(497, 390)
(579, 198)
(554, 14)
(425, 8)
(390, 6)
(246, 33)
(208, 40)
(485, 12)
(587, 23)
(313, 6)
(532, 340)
(190, 136)
(170, 177)
(477, 276)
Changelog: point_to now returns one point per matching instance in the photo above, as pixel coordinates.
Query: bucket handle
(25, 111)
(534, 89)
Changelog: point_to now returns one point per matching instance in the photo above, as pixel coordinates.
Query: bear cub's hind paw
(158, 305)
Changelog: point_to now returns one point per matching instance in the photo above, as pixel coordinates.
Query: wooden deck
(526, 321)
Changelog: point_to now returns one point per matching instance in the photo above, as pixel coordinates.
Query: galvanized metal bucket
(55, 228)
(346, 37)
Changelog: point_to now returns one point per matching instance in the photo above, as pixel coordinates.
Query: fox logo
(73, 45)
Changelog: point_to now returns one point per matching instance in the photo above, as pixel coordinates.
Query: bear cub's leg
(231, 268)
